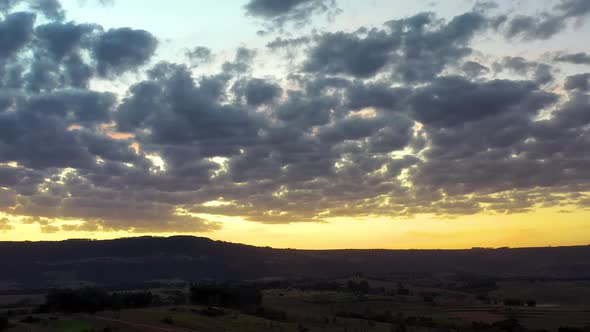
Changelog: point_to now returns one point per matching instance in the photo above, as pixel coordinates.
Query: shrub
(168, 320)
(271, 314)
(238, 297)
(3, 323)
(212, 312)
(31, 320)
(91, 300)
(513, 302)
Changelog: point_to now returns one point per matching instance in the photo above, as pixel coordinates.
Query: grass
(317, 310)
(546, 292)
(184, 318)
(70, 326)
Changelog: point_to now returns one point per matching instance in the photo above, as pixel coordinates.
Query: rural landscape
(196, 284)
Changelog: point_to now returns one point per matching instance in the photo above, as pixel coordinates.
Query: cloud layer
(394, 120)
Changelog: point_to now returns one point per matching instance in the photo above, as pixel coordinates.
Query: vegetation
(3, 323)
(413, 303)
(229, 296)
(90, 300)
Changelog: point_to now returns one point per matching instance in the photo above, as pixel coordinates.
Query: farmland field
(345, 304)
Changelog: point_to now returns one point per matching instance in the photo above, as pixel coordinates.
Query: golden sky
(545, 227)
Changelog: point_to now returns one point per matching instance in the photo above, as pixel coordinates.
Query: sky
(310, 124)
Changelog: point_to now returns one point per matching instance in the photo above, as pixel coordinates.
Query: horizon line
(299, 249)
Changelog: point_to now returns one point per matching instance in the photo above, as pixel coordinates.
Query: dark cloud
(15, 31)
(306, 111)
(174, 109)
(574, 113)
(416, 48)
(297, 11)
(518, 65)
(378, 95)
(573, 8)
(344, 53)
(450, 101)
(474, 69)
(199, 54)
(578, 82)
(242, 62)
(50, 8)
(368, 123)
(58, 58)
(7, 199)
(529, 27)
(541, 73)
(575, 58)
(58, 158)
(62, 39)
(281, 43)
(121, 50)
(257, 91)
(429, 46)
(546, 24)
(6, 5)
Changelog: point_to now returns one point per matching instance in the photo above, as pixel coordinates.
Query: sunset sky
(297, 123)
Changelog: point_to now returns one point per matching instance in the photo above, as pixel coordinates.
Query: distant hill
(145, 259)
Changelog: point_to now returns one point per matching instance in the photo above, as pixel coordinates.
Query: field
(396, 304)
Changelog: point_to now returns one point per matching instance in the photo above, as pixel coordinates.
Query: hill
(145, 259)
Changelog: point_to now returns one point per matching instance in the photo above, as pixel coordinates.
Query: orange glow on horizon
(547, 227)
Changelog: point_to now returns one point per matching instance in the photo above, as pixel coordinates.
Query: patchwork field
(383, 305)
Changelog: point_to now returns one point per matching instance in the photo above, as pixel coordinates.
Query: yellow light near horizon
(544, 227)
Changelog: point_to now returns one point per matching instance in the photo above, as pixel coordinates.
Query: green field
(453, 306)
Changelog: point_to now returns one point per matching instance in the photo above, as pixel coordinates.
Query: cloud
(5, 225)
(63, 39)
(474, 69)
(121, 50)
(199, 54)
(578, 82)
(450, 101)
(546, 24)
(414, 49)
(529, 27)
(257, 91)
(50, 8)
(16, 30)
(278, 13)
(575, 58)
(573, 8)
(242, 62)
(541, 73)
(398, 120)
(281, 43)
(345, 53)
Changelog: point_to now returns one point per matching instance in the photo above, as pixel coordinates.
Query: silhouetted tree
(364, 287)
(360, 287)
(239, 297)
(94, 299)
(80, 300)
(514, 302)
(168, 320)
(3, 323)
(401, 290)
